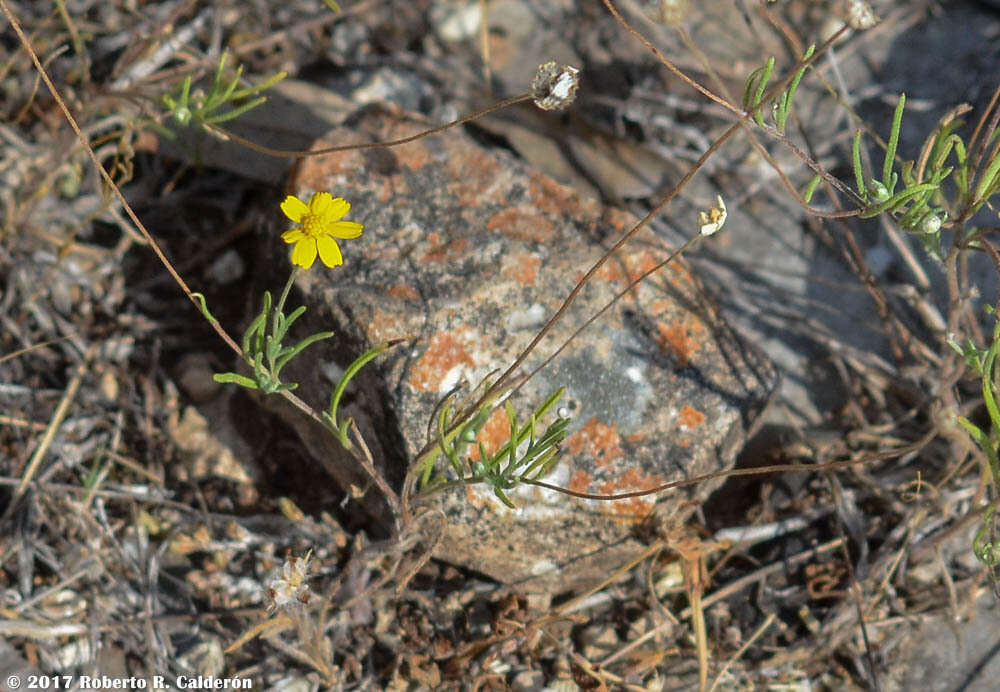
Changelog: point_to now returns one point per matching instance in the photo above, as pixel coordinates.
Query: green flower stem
(284, 293)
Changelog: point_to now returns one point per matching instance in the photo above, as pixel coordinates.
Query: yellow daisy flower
(320, 224)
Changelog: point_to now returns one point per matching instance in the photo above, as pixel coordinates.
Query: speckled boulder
(466, 252)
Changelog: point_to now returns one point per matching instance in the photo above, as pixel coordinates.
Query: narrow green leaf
(810, 188)
(298, 348)
(890, 151)
(234, 378)
(503, 498)
(447, 448)
(258, 88)
(235, 112)
(859, 176)
(353, 370)
(785, 107)
(203, 306)
(983, 548)
(226, 93)
(987, 183)
(758, 116)
(749, 88)
(282, 324)
(252, 330)
(220, 67)
(989, 381)
(893, 202)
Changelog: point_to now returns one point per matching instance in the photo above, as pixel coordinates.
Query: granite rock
(466, 252)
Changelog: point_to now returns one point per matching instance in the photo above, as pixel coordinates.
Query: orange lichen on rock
(598, 440)
(681, 337)
(522, 267)
(618, 219)
(445, 351)
(473, 172)
(522, 223)
(680, 274)
(690, 417)
(413, 155)
(579, 482)
(336, 163)
(386, 325)
(438, 252)
(404, 292)
(612, 271)
(551, 197)
(627, 271)
(494, 434)
(638, 266)
(630, 481)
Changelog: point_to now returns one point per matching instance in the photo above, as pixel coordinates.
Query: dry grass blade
(50, 432)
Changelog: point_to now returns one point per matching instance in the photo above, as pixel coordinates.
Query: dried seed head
(554, 86)
(668, 12)
(290, 588)
(860, 15)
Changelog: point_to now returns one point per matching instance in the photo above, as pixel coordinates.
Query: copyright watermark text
(107, 682)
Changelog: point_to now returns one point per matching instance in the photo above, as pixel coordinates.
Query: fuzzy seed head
(554, 86)
(669, 12)
(860, 15)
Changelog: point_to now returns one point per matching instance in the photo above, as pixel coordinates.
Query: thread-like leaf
(234, 378)
(890, 150)
(859, 176)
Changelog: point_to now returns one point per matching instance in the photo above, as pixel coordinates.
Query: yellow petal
(294, 208)
(304, 253)
(320, 202)
(345, 229)
(337, 210)
(329, 251)
(293, 236)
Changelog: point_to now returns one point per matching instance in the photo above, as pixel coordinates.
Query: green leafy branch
(984, 363)
(207, 108)
(510, 465)
(756, 86)
(913, 206)
(263, 348)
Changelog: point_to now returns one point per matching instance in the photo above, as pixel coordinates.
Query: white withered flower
(711, 221)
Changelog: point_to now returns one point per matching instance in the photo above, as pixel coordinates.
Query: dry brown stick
(57, 418)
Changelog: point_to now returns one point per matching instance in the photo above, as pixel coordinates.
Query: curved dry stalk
(297, 154)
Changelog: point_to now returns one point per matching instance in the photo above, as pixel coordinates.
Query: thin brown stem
(886, 455)
(296, 154)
